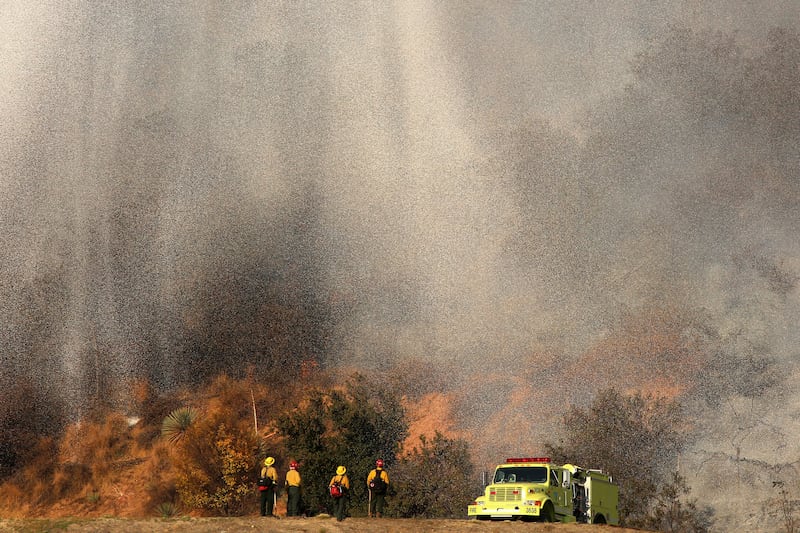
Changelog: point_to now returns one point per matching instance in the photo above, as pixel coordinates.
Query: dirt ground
(319, 524)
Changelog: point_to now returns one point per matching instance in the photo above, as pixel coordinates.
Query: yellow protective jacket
(270, 472)
(341, 479)
(292, 478)
(384, 476)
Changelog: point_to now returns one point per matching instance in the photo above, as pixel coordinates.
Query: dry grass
(297, 525)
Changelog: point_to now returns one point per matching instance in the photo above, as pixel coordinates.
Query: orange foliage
(429, 414)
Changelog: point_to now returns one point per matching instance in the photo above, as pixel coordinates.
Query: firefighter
(339, 487)
(270, 477)
(378, 485)
(293, 490)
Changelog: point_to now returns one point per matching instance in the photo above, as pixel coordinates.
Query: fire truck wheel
(599, 519)
(548, 512)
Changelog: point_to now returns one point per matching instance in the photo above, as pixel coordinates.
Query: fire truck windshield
(521, 474)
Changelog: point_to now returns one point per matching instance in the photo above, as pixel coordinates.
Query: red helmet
(293, 465)
(379, 463)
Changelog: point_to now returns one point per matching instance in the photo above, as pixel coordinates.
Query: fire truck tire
(548, 512)
(599, 519)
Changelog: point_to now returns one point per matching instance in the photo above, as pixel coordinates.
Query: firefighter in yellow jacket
(378, 485)
(270, 476)
(342, 483)
(293, 490)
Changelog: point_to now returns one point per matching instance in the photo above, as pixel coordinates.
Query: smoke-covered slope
(186, 190)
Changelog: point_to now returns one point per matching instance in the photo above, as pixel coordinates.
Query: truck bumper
(502, 512)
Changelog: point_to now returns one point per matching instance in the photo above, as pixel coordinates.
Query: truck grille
(505, 494)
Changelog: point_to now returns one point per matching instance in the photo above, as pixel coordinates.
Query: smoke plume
(606, 192)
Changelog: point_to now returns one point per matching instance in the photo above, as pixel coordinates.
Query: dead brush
(13, 500)
(158, 470)
(98, 445)
(36, 478)
(70, 478)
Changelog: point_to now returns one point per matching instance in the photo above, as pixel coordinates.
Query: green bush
(437, 480)
(635, 438)
(350, 427)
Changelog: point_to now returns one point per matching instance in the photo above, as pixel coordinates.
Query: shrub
(152, 408)
(784, 507)
(617, 432)
(671, 512)
(177, 423)
(216, 472)
(160, 475)
(26, 414)
(436, 480)
(352, 427)
(93, 497)
(166, 509)
(37, 477)
(636, 438)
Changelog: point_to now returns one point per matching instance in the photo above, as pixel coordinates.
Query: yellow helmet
(269, 461)
(340, 471)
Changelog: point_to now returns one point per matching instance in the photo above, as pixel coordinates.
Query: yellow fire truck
(533, 488)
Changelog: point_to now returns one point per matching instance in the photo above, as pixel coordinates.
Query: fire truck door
(560, 498)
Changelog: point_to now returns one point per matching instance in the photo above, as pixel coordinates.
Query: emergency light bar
(528, 460)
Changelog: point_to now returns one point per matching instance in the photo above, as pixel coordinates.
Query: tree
(671, 512)
(636, 438)
(350, 427)
(437, 480)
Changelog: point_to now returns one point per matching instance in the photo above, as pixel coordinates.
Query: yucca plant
(166, 509)
(177, 423)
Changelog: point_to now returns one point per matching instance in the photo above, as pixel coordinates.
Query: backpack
(265, 483)
(377, 485)
(337, 490)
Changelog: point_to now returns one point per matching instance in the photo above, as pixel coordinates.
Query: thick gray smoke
(186, 189)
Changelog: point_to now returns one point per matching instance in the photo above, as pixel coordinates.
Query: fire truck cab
(534, 488)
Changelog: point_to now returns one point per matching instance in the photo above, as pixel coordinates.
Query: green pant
(376, 502)
(340, 508)
(267, 502)
(293, 501)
